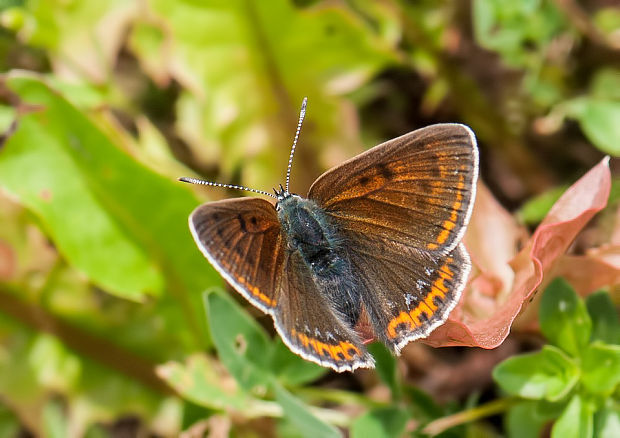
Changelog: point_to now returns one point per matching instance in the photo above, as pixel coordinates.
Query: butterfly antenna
(302, 114)
(225, 186)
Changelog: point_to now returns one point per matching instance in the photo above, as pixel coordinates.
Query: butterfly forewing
(242, 240)
(416, 189)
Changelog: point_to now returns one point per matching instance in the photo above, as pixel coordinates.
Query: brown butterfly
(376, 240)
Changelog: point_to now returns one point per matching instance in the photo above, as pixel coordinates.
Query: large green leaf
(54, 419)
(113, 219)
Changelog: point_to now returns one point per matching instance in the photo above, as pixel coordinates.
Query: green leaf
(575, 422)
(380, 423)
(113, 219)
(243, 346)
(601, 368)
(298, 413)
(605, 321)
(202, 381)
(607, 423)
(548, 374)
(526, 419)
(291, 369)
(563, 317)
(386, 367)
(598, 120)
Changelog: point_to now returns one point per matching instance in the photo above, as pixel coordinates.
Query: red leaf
(486, 324)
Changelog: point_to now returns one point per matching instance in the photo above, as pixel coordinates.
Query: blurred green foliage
(575, 378)
(103, 325)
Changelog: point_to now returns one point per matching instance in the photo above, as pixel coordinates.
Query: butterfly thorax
(308, 231)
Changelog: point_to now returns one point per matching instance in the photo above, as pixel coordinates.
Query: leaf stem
(494, 407)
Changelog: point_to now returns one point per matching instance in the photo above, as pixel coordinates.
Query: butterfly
(377, 240)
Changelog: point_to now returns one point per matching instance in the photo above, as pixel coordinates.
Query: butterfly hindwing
(242, 240)
(310, 326)
(407, 294)
(416, 189)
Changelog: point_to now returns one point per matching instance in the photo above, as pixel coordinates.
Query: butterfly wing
(402, 207)
(311, 327)
(241, 238)
(406, 293)
(416, 189)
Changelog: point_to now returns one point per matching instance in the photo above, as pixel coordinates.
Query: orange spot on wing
(337, 352)
(427, 306)
(417, 311)
(255, 291)
(402, 318)
(449, 224)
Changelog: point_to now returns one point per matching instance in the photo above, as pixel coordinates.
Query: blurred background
(103, 105)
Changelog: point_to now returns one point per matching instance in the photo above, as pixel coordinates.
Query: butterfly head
(281, 194)
(284, 197)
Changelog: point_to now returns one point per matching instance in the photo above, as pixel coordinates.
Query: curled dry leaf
(502, 284)
(599, 266)
(587, 273)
